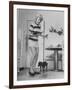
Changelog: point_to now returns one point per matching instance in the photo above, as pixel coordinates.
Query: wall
(4, 46)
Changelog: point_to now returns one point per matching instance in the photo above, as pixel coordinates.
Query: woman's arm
(44, 35)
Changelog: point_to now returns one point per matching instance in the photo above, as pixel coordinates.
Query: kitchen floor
(24, 75)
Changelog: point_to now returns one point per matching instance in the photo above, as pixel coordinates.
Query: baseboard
(21, 68)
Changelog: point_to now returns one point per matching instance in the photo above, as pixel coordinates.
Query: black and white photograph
(40, 44)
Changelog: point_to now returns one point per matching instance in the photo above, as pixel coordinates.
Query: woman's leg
(34, 58)
(31, 57)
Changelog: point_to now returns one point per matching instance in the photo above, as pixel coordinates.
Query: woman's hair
(39, 16)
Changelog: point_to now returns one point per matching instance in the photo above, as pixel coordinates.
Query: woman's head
(38, 19)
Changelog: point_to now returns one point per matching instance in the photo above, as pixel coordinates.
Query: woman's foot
(32, 74)
(37, 72)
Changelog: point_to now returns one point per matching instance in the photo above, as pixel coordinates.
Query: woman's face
(38, 21)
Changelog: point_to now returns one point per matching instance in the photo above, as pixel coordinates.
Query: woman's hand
(44, 36)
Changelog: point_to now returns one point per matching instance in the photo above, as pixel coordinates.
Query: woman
(33, 47)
